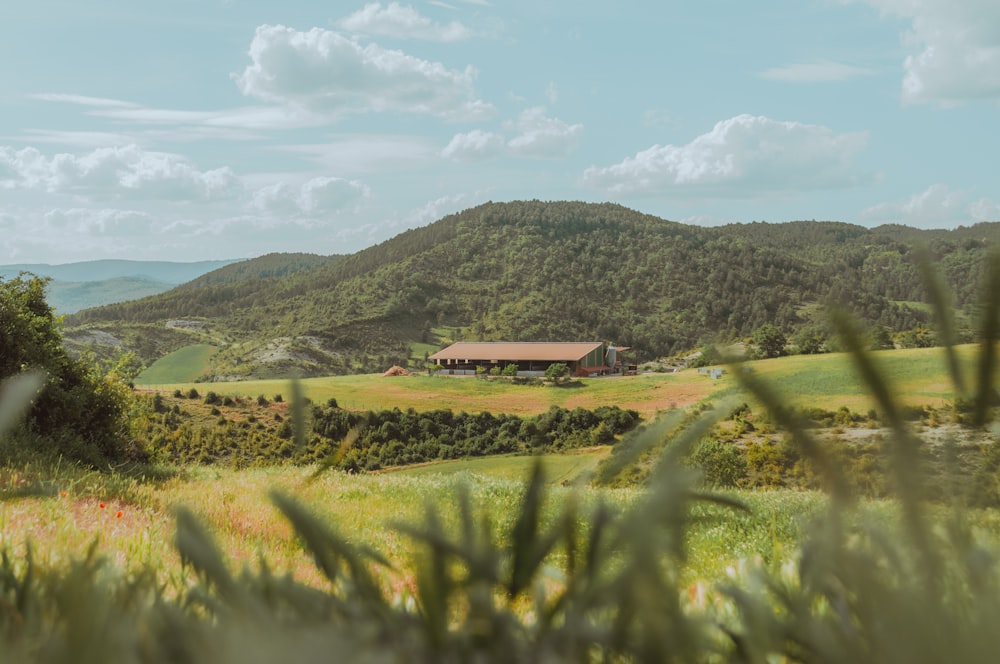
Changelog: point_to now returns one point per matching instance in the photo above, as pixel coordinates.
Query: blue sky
(202, 129)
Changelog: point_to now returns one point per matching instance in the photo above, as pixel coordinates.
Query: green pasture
(183, 365)
(562, 469)
(918, 377)
(647, 393)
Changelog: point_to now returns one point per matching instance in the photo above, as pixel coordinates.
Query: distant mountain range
(87, 284)
(544, 271)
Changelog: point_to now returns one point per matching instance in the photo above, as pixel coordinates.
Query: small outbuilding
(586, 358)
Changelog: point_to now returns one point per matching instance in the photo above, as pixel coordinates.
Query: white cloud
(91, 221)
(656, 118)
(955, 49)
(315, 197)
(474, 145)
(740, 156)
(935, 207)
(77, 139)
(543, 137)
(814, 72)
(115, 172)
(82, 100)
(327, 73)
(707, 220)
(368, 153)
(395, 20)
(984, 210)
(552, 92)
(438, 208)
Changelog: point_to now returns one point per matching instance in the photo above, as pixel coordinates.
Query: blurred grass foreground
(584, 580)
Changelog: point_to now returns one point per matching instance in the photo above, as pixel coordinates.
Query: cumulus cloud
(740, 156)
(325, 72)
(543, 137)
(984, 210)
(114, 172)
(318, 196)
(814, 72)
(955, 49)
(935, 207)
(473, 146)
(395, 20)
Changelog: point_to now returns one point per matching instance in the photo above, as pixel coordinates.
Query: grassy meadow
(825, 381)
(132, 520)
(183, 365)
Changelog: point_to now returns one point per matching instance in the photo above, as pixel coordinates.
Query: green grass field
(562, 469)
(133, 520)
(919, 377)
(181, 366)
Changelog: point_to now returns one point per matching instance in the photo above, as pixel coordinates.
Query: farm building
(583, 358)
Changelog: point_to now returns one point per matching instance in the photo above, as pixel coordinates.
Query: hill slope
(555, 271)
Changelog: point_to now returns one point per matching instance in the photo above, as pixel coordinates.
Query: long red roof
(543, 351)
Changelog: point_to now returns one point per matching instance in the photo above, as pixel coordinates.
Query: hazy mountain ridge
(88, 284)
(170, 272)
(530, 270)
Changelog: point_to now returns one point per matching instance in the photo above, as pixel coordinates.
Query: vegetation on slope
(76, 411)
(555, 271)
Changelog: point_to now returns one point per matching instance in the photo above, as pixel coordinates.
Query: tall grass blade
(943, 309)
(985, 393)
(631, 449)
(905, 456)
(197, 548)
(16, 394)
(331, 551)
(836, 483)
(298, 408)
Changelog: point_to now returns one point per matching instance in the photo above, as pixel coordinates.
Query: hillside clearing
(185, 364)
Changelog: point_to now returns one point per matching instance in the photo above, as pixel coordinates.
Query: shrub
(722, 464)
(79, 413)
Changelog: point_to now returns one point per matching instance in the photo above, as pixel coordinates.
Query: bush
(722, 464)
(80, 413)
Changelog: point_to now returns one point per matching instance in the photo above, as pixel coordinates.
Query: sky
(188, 130)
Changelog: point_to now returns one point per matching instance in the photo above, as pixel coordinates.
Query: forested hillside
(556, 271)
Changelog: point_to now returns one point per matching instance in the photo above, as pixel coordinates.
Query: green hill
(555, 271)
(269, 266)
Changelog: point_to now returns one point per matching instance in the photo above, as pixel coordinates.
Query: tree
(881, 339)
(809, 340)
(79, 413)
(770, 340)
(557, 372)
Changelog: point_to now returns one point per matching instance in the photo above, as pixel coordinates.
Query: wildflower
(63, 494)
(119, 514)
(101, 505)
